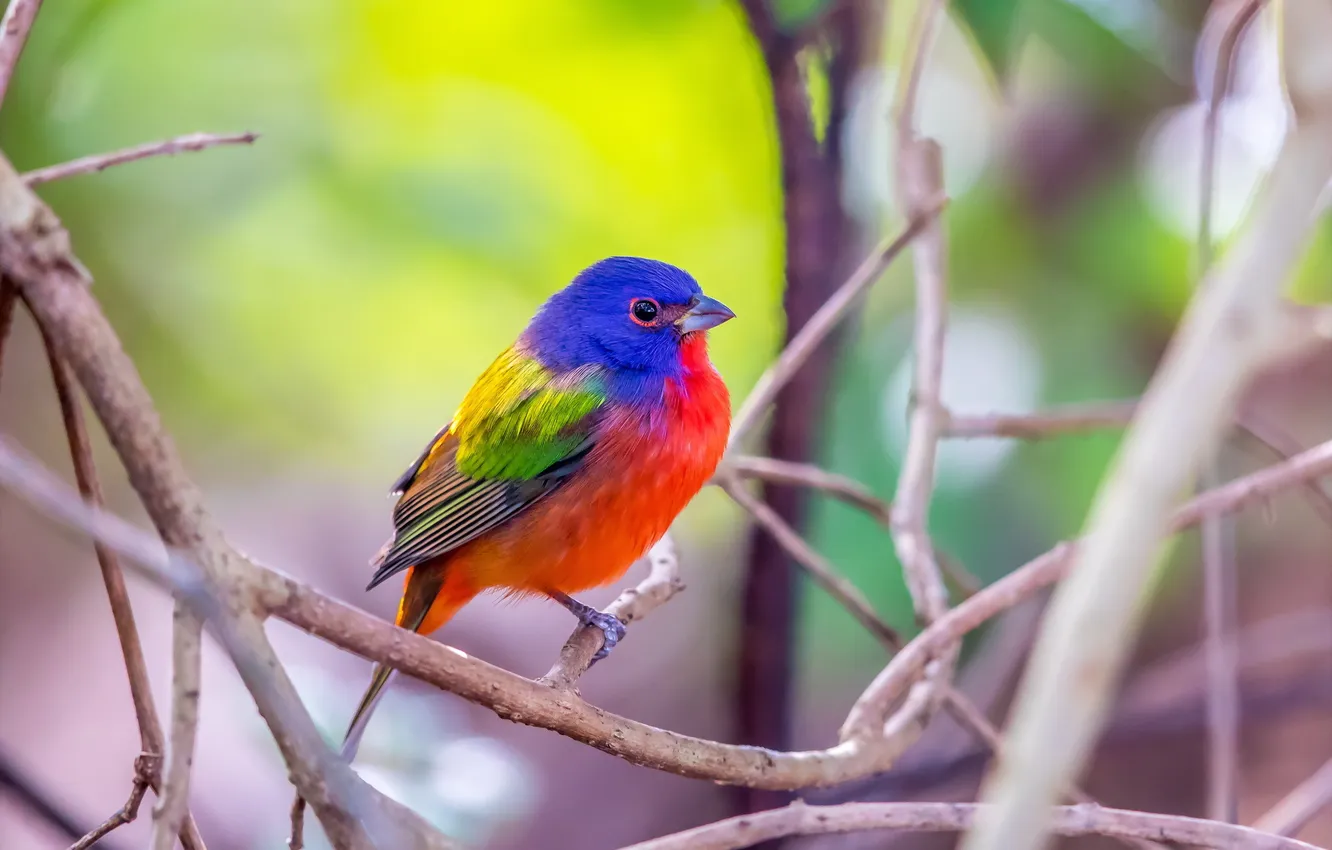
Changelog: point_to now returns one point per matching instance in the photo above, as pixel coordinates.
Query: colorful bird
(569, 457)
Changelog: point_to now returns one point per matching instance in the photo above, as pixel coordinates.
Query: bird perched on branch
(567, 459)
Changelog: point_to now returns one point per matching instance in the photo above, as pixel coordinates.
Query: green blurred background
(308, 311)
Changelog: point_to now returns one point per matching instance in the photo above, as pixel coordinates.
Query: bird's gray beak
(704, 313)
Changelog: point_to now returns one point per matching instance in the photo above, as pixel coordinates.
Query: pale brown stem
(151, 739)
(146, 769)
(1068, 419)
(822, 323)
(103, 161)
(186, 662)
(1220, 577)
(800, 819)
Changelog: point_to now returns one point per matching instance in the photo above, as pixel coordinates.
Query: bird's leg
(612, 627)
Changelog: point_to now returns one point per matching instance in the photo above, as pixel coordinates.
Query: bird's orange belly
(586, 534)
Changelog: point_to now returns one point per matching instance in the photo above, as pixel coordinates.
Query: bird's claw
(612, 627)
(612, 630)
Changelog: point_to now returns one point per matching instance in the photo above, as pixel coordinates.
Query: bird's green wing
(518, 435)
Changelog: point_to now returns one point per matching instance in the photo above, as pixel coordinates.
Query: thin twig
(186, 663)
(1220, 617)
(1096, 416)
(103, 161)
(919, 181)
(840, 487)
(821, 324)
(815, 565)
(1294, 811)
(802, 819)
(1068, 419)
(151, 740)
(146, 770)
(1225, 58)
(1284, 446)
(845, 489)
(1220, 578)
(921, 170)
(14, 30)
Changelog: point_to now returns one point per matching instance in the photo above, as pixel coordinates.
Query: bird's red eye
(644, 311)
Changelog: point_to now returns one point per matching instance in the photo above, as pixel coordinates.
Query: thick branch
(801, 819)
(531, 703)
(35, 254)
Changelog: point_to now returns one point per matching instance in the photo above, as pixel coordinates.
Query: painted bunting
(569, 457)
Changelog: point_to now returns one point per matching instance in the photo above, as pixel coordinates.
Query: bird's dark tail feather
(351, 742)
(418, 596)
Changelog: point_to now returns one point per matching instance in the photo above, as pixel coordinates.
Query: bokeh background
(308, 311)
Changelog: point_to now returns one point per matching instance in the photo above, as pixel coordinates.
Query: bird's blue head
(627, 314)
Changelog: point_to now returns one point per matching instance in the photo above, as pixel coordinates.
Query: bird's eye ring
(644, 311)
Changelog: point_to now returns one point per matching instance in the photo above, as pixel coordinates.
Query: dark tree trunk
(818, 236)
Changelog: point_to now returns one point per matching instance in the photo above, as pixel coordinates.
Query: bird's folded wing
(518, 436)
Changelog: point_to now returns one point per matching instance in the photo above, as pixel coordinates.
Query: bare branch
(662, 583)
(921, 170)
(103, 161)
(146, 770)
(1284, 446)
(821, 324)
(14, 31)
(1095, 416)
(864, 750)
(186, 661)
(802, 819)
(868, 713)
(840, 487)
(1294, 811)
(1220, 579)
(1068, 419)
(151, 740)
(819, 569)
(1220, 616)
(1225, 58)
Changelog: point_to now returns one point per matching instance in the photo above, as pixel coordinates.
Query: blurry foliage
(429, 172)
